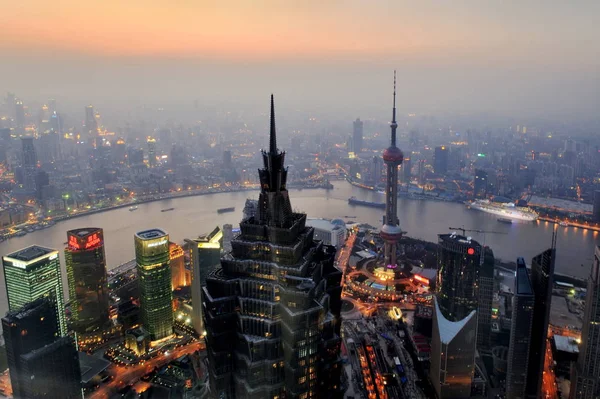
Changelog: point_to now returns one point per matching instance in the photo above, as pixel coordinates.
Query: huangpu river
(197, 215)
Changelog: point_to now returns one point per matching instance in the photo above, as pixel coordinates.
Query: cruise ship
(507, 210)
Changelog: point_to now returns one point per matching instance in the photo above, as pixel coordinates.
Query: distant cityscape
(286, 305)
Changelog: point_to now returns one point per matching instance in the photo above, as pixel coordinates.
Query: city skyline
(471, 56)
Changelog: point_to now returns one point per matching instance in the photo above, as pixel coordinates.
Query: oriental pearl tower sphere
(391, 232)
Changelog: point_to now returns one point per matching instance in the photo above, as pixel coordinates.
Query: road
(549, 388)
(124, 376)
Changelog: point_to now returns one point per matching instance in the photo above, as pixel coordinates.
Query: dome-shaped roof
(338, 222)
(393, 154)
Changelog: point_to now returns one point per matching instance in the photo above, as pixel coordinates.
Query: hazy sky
(523, 58)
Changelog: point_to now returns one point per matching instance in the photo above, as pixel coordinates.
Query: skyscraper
(277, 296)
(520, 333)
(152, 161)
(29, 163)
(375, 170)
(440, 165)
(52, 371)
(86, 275)
(406, 170)
(20, 116)
(585, 379)
(357, 136)
(596, 205)
(179, 277)
(32, 273)
(542, 281)
(452, 354)
(91, 127)
(391, 231)
(25, 329)
(465, 282)
(154, 273)
(205, 256)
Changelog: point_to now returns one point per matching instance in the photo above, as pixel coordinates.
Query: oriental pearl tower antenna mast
(391, 231)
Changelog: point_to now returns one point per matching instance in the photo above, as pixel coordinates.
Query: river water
(420, 219)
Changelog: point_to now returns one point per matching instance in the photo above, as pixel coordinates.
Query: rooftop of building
(30, 254)
(325, 224)
(450, 329)
(565, 344)
(26, 310)
(91, 366)
(522, 282)
(84, 232)
(454, 237)
(151, 234)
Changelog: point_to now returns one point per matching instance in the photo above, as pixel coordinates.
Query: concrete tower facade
(393, 157)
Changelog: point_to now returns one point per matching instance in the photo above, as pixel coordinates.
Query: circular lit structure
(393, 154)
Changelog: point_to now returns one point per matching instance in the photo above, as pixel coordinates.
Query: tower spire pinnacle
(394, 125)
(394, 109)
(273, 134)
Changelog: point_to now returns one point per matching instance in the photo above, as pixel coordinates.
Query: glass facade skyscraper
(154, 274)
(32, 273)
(465, 282)
(86, 275)
(585, 379)
(30, 327)
(272, 308)
(542, 281)
(520, 333)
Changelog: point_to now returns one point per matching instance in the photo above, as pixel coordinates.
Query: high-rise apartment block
(440, 164)
(32, 273)
(272, 309)
(585, 379)
(154, 273)
(86, 276)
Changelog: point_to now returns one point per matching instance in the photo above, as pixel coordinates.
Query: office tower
(30, 327)
(465, 282)
(119, 151)
(177, 265)
(86, 276)
(52, 371)
(520, 333)
(421, 171)
(91, 128)
(542, 281)
(154, 273)
(32, 273)
(205, 256)
(596, 208)
(277, 296)
(440, 165)
(375, 170)
(391, 232)
(452, 354)
(20, 116)
(357, 136)
(480, 183)
(152, 161)
(585, 377)
(406, 170)
(227, 161)
(29, 163)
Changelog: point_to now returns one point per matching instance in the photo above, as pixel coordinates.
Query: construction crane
(484, 232)
(464, 231)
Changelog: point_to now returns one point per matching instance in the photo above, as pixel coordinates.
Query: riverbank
(192, 193)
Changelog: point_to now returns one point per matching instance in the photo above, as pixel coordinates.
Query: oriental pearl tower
(391, 231)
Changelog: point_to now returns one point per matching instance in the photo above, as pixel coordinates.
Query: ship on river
(505, 209)
(354, 201)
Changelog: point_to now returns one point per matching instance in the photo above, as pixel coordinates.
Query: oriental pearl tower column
(391, 231)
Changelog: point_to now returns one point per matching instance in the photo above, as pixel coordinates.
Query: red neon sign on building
(471, 251)
(93, 241)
